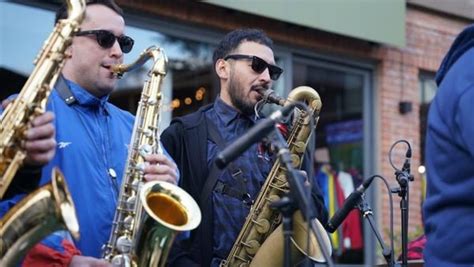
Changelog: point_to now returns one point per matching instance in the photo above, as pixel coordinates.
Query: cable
(391, 213)
(407, 154)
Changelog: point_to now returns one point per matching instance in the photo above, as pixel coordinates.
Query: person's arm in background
(465, 120)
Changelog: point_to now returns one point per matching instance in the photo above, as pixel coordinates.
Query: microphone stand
(366, 213)
(403, 178)
(286, 207)
(299, 196)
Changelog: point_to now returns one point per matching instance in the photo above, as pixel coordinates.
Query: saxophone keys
(123, 244)
(279, 181)
(299, 147)
(121, 260)
(152, 101)
(128, 222)
(295, 159)
(140, 167)
(251, 246)
(262, 226)
(145, 149)
(130, 202)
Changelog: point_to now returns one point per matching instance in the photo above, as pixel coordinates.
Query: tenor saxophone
(260, 241)
(149, 214)
(31, 102)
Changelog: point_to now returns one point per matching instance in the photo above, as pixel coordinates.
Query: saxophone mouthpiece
(118, 70)
(270, 96)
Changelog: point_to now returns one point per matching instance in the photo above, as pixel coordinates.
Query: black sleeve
(181, 253)
(171, 140)
(25, 181)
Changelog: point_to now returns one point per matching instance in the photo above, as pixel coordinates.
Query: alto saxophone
(31, 102)
(149, 214)
(49, 208)
(260, 241)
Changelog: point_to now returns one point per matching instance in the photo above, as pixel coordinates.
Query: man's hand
(40, 143)
(83, 261)
(5, 102)
(160, 168)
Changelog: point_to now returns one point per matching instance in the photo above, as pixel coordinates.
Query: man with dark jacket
(245, 64)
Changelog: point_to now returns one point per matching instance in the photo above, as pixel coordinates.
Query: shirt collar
(228, 114)
(84, 98)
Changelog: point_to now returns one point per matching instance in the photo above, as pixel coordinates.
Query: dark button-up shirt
(229, 212)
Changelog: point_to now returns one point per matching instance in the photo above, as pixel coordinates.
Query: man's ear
(222, 69)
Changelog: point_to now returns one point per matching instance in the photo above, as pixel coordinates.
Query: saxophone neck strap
(64, 91)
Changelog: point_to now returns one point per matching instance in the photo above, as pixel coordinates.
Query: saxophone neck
(75, 10)
(156, 53)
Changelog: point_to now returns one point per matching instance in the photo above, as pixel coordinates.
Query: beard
(239, 100)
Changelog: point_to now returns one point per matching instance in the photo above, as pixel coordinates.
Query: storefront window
(427, 92)
(189, 82)
(339, 157)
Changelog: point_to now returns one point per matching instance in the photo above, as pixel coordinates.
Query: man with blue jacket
(92, 138)
(449, 206)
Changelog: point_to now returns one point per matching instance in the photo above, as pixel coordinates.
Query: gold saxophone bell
(168, 211)
(266, 254)
(48, 209)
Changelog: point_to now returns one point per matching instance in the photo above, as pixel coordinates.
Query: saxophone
(149, 214)
(31, 102)
(45, 210)
(260, 242)
(49, 208)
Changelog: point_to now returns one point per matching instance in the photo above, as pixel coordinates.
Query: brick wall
(428, 37)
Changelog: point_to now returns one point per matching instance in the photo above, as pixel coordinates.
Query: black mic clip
(404, 176)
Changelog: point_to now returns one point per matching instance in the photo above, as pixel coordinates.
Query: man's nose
(115, 50)
(265, 76)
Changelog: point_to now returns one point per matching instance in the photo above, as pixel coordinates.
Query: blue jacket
(449, 206)
(92, 144)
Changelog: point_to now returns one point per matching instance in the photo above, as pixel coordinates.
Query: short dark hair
(61, 13)
(234, 38)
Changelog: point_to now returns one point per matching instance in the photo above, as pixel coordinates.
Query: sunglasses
(259, 65)
(106, 39)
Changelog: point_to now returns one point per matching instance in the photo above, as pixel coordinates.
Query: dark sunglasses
(259, 65)
(106, 39)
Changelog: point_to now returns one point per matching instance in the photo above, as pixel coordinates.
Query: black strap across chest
(212, 182)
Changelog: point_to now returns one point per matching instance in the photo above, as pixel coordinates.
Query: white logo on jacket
(63, 144)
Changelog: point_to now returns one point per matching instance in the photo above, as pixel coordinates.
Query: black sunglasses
(259, 65)
(106, 39)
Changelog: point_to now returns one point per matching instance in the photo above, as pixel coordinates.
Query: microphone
(257, 132)
(404, 176)
(351, 201)
(407, 164)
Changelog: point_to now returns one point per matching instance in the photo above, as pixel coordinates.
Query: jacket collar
(84, 98)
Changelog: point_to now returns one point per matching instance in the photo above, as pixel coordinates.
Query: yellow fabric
(332, 207)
